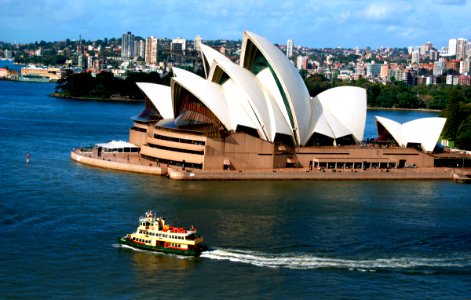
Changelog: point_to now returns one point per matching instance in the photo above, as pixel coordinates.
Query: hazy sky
(312, 23)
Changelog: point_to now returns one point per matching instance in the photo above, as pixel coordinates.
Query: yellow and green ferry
(154, 234)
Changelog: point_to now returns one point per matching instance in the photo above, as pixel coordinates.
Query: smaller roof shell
(424, 131)
(339, 112)
(160, 96)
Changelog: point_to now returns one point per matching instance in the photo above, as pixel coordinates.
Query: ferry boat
(154, 234)
(33, 78)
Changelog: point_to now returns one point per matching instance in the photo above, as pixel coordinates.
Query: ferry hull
(195, 253)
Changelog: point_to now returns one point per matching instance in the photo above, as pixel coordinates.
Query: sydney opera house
(258, 115)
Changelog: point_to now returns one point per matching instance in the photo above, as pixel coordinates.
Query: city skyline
(342, 23)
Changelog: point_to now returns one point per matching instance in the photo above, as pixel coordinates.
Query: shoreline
(111, 99)
(403, 109)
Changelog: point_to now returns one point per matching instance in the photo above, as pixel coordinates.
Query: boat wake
(459, 263)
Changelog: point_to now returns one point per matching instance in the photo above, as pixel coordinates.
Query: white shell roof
(292, 83)
(212, 95)
(160, 96)
(339, 112)
(248, 92)
(424, 131)
(256, 101)
(209, 54)
(278, 114)
(245, 88)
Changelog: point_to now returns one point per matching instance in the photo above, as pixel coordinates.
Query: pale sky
(311, 23)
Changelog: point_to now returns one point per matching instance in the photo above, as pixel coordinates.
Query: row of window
(126, 149)
(353, 165)
(179, 140)
(141, 240)
(163, 235)
(173, 162)
(175, 245)
(138, 129)
(176, 149)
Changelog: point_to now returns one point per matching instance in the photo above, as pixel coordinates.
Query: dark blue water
(59, 221)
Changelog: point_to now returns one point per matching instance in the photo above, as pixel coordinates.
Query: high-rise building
(465, 66)
(80, 61)
(178, 50)
(461, 48)
(289, 48)
(89, 62)
(415, 57)
(384, 70)
(439, 67)
(178, 44)
(198, 43)
(428, 47)
(139, 48)
(300, 62)
(127, 45)
(373, 70)
(151, 50)
(452, 47)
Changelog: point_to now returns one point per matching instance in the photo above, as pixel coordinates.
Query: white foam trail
(306, 261)
(129, 247)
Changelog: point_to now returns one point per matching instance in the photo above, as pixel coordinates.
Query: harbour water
(59, 222)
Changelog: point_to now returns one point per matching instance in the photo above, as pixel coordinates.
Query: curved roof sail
(209, 55)
(424, 131)
(160, 97)
(259, 54)
(212, 96)
(339, 112)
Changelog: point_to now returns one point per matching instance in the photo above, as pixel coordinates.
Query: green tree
(373, 93)
(167, 78)
(317, 84)
(452, 114)
(303, 74)
(387, 98)
(77, 85)
(463, 139)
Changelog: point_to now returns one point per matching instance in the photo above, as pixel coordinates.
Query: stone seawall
(307, 175)
(110, 99)
(119, 166)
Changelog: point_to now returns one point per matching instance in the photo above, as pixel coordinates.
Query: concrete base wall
(432, 174)
(119, 166)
